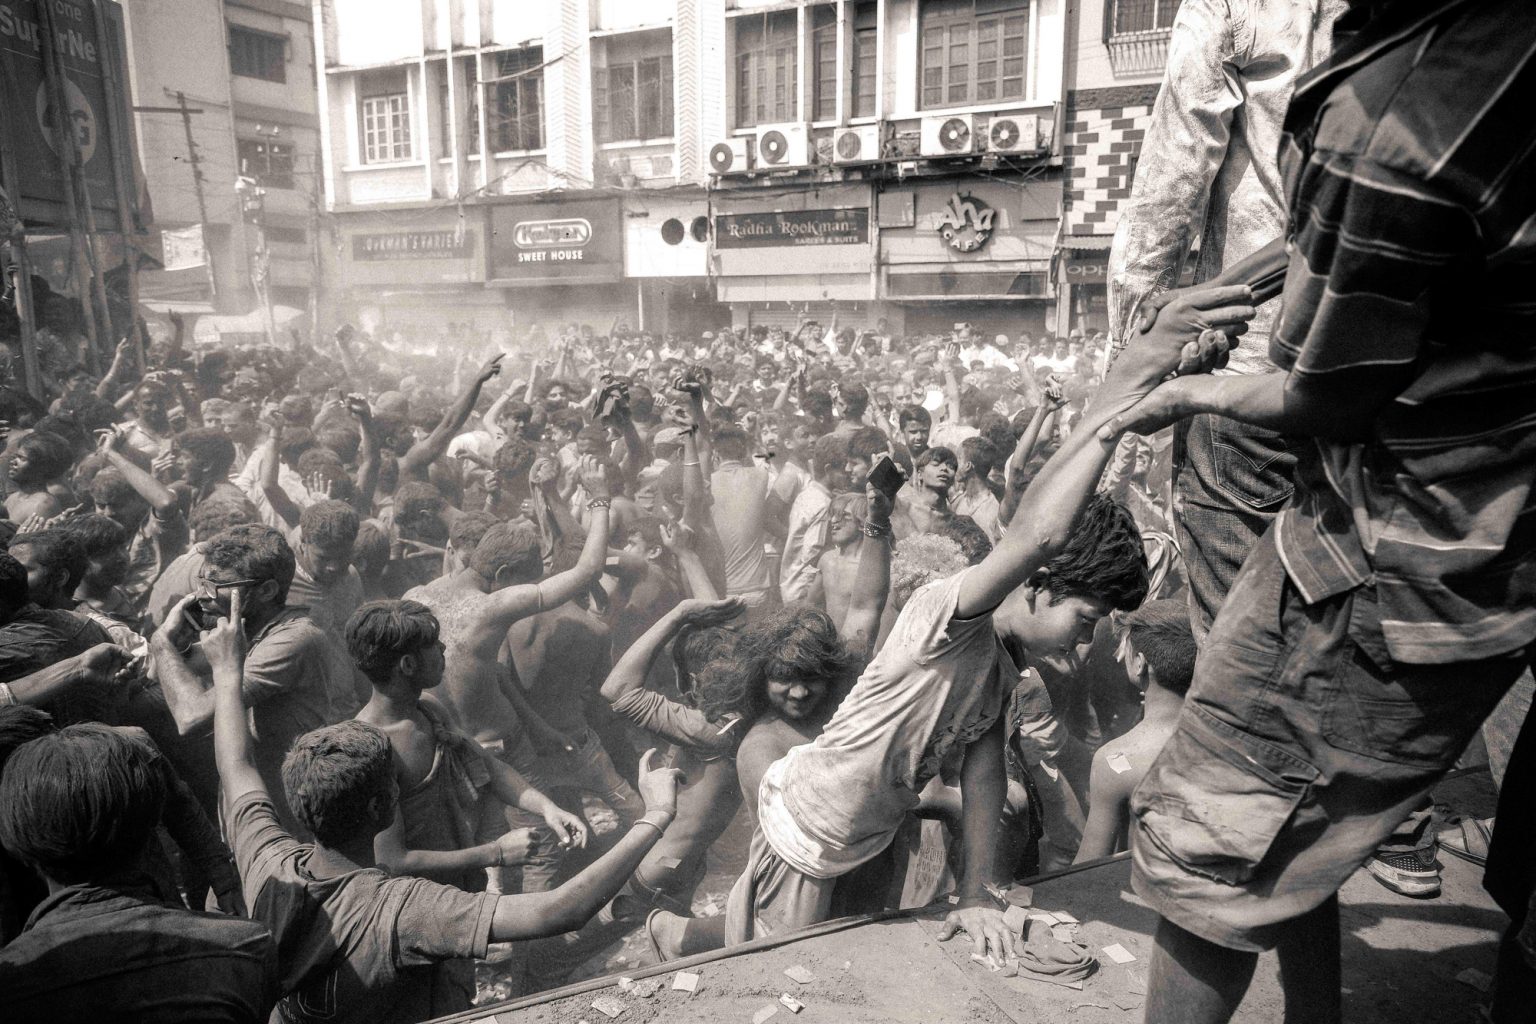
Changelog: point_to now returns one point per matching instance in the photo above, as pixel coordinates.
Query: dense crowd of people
(318, 659)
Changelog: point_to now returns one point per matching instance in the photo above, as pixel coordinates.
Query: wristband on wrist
(687, 463)
(651, 818)
(877, 530)
(597, 503)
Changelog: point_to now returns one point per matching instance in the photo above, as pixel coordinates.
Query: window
(765, 68)
(1142, 15)
(288, 236)
(824, 54)
(633, 99)
(517, 100)
(255, 54)
(270, 163)
(973, 51)
(469, 110)
(386, 119)
(866, 44)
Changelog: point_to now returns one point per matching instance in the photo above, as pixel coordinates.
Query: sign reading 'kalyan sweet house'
(792, 228)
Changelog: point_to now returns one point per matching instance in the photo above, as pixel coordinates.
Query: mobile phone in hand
(887, 477)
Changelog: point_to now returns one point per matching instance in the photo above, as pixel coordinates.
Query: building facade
(229, 141)
(1116, 54)
(676, 163)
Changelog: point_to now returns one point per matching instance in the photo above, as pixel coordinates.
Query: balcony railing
(1138, 53)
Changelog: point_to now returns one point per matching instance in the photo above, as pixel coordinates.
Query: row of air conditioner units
(787, 146)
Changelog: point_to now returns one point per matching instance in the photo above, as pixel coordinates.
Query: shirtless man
(703, 734)
(923, 505)
(1158, 650)
(37, 477)
(396, 645)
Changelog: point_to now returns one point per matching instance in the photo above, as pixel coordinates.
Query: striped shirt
(1410, 163)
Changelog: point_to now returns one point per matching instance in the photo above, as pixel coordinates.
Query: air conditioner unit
(783, 145)
(1014, 133)
(856, 145)
(731, 156)
(948, 136)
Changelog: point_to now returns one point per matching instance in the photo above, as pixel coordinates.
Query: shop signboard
(792, 228)
(88, 41)
(414, 247)
(574, 242)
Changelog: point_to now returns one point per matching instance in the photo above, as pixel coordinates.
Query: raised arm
(116, 371)
(160, 497)
(534, 915)
(414, 464)
(1201, 318)
(872, 577)
(679, 539)
(224, 646)
(99, 666)
(270, 463)
(368, 455)
(1013, 473)
(633, 668)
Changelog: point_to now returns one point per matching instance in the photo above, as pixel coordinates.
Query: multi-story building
(643, 159)
(1116, 53)
(244, 71)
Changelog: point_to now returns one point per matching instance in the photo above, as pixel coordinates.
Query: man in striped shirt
(1394, 601)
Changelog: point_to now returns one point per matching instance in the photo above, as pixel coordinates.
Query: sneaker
(1406, 874)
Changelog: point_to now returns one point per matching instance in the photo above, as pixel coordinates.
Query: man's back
(740, 494)
(98, 953)
(36, 638)
(561, 655)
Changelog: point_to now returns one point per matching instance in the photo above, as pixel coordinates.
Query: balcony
(1138, 53)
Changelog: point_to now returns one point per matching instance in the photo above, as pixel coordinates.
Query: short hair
(855, 398)
(964, 531)
(343, 442)
(914, 414)
(981, 454)
(797, 641)
(254, 552)
(867, 442)
(213, 517)
(209, 446)
(21, 723)
(380, 633)
(512, 546)
(514, 458)
(731, 442)
(568, 420)
(296, 441)
(1160, 632)
(318, 460)
(371, 545)
(56, 550)
(418, 512)
(49, 454)
(1104, 559)
(13, 583)
(938, 453)
(828, 451)
(331, 774)
(80, 802)
(330, 523)
(468, 528)
(97, 534)
(816, 401)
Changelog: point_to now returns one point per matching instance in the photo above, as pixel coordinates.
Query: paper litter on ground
(1016, 918)
(1126, 1002)
(608, 1006)
(764, 1014)
(685, 982)
(800, 974)
(1063, 917)
(1119, 954)
(988, 961)
(710, 909)
(1120, 763)
(790, 1003)
(1138, 983)
(1063, 933)
(1021, 896)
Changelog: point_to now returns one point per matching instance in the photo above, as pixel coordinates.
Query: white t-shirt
(939, 682)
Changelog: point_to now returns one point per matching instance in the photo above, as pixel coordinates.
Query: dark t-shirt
(36, 638)
(362, 946)
(102, 954)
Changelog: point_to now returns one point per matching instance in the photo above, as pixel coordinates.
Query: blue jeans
(1230, 481)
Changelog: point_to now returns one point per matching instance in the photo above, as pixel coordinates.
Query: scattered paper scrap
(1043, 915)
(801, 974)
(1021, 896)
(1119, 763)
(1016, 918)
(1063, 933)
(647, 988)
(608, 1006)
(953, 899)
(1126, 1002)
(1119, 954)
(790, 1003)
(710, 909)
(668, 863)
(685, 982)
(988, 961)
(1079, 1006)
(1062, 917)
(626, 984)
(1475, 978)
(1011, 968)
(764, 1014)
(847, 965)
(1138, 984)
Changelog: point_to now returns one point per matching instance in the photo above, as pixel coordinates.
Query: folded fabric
(1049, 959)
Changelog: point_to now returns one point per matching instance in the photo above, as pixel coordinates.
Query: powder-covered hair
(331, 774)
(380, 633)
(1104, 559)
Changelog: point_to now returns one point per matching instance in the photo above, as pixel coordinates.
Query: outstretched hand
(658, 786)
(704, 614)
(1179, 329)
(990, 935)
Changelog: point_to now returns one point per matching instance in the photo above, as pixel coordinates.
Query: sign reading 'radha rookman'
(792, 228)
(413, 245)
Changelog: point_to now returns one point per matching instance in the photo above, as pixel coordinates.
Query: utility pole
(197, 186)
(127, 213)
(253, 209)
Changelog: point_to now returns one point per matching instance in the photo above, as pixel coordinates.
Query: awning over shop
(795, 288)
(1004, 279)
(1087, 243)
